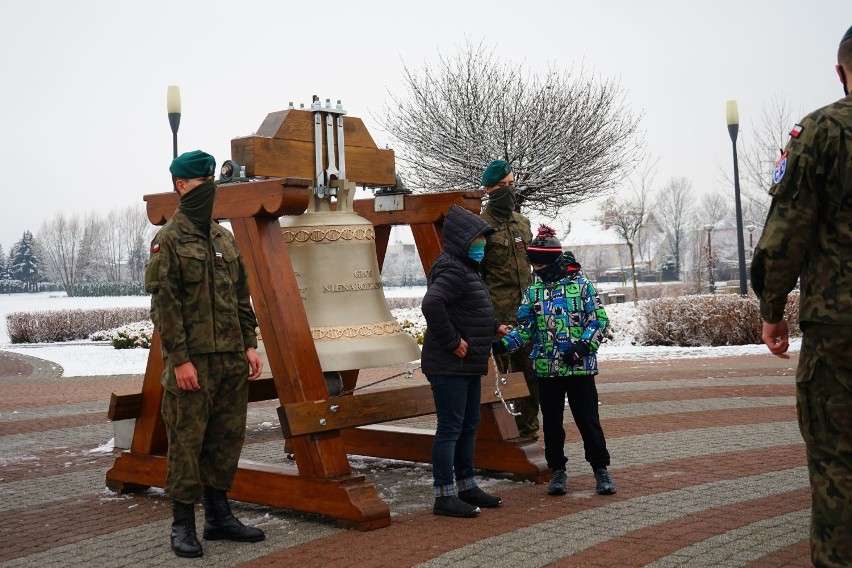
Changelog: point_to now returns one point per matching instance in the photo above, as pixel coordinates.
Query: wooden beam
(294, 158)
(348, 498)
(265, 198)
(127, 405)
(298, 124)
(360, 409)
(420, 208)
(521, 457)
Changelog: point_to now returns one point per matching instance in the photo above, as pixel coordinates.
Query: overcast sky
(84, 87)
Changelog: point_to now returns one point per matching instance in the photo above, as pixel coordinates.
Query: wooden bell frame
(320, 430)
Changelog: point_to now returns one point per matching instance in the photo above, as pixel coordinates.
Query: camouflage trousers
(824, 405)
(519, 361)
(206, 428)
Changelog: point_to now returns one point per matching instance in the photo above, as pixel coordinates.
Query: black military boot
(221, 524)
(184, 541)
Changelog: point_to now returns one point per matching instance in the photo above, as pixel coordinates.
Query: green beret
(847, 35)
(195, 164)
(494, 172)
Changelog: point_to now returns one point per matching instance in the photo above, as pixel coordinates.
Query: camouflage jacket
(505, 269)
(199, 291)
(808, 231)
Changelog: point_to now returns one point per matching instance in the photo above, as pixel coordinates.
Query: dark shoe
(184, 541)
(452, 506)
(559, 483)
(479, 498)
(603, 482)
(221, 524)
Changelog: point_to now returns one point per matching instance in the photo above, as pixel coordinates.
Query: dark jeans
(583, 401)
(457, 409)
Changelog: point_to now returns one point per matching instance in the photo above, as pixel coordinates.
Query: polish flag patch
(797, 130)
(155, 247)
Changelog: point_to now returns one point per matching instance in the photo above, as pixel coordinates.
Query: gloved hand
(497, 347)
(575, 352)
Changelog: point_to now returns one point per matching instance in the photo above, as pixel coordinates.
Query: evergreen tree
(23, 262)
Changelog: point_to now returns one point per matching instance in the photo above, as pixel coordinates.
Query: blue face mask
(476, 251)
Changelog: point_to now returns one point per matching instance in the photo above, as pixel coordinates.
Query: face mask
(553, 272)
(502, 201)
(198, 203)
(476, 251)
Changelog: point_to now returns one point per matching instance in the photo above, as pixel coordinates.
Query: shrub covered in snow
(130, 336)
(67, 325)
(709, 320)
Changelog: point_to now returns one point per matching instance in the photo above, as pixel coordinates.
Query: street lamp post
(173, 108)
(750, 229)
(710, 278)
(733, 119)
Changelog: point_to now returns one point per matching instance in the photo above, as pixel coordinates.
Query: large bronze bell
(334, 259)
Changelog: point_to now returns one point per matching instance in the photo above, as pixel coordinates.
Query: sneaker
(479, 498)
(452, 506)
(558, 485)
(603, 482)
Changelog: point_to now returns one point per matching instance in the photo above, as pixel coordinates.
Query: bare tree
(137, 231)
(713, 209)
(66, 248)
(112, 246)
(674, 213)
(569, 136)
(628, 213)
(88, 258)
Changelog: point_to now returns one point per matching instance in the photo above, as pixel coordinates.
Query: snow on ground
(86, 358)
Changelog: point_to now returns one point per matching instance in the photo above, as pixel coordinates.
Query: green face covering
(501, 201)
(198, 203)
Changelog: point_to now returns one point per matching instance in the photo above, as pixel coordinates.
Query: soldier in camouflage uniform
(507, 274)
(201, 308)
(808, 236)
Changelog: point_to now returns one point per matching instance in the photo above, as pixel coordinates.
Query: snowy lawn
(85, 358)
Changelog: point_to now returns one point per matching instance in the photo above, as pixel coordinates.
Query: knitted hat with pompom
(545, 248)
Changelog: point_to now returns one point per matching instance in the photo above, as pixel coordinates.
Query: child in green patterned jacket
(563, 316)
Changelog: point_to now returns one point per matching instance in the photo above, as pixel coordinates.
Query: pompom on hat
(494, 172)
(195, 164)
(545, 248)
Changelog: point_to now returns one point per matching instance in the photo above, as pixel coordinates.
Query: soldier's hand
(776, 336)
(255, 363)
(187, 377)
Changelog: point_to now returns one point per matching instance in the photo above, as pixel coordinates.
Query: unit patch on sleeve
(780, 168)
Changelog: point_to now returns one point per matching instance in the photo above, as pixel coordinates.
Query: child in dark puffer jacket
(460, 326)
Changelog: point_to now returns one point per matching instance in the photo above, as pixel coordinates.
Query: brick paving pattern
(707, 457)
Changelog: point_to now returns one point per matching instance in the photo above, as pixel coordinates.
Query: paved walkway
(707, 457)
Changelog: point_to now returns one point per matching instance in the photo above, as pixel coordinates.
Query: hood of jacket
(461, 227)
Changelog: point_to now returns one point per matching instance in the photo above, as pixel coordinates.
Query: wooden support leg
(149, 435)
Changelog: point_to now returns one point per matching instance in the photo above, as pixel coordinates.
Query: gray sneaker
(558, 485)
(603, 482)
